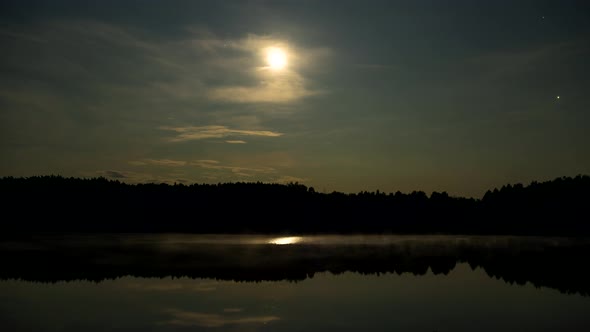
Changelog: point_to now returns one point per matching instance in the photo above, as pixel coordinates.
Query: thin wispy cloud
(163, 79)
(173, 286)
(158, 72)
(237, 170)
(188, 318)
(289, 179)
(262, 84)
(137, 177)
(206, 132)
(87, 92)
(205, 164)
(165, 162)
(114, 174)
(210, 170)
(137, 163)
(281, 89)
(208, 161)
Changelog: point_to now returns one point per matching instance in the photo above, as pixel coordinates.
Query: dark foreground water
(327, 283)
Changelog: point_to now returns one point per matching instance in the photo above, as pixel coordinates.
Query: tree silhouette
(58, 204)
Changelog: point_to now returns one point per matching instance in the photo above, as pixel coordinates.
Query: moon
(276, 58)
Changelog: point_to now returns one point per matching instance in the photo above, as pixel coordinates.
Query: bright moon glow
(285, 240)
(276, 58)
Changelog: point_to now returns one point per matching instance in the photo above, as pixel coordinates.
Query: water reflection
(544, 262)
(286, 240)
(463, 300)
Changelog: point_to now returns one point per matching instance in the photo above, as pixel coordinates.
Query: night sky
(457, 96)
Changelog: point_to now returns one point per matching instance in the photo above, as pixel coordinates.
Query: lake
(173, 282)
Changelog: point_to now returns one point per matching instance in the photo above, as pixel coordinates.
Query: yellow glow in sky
(276, 58)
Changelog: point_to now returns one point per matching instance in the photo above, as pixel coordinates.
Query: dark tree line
(57, 204)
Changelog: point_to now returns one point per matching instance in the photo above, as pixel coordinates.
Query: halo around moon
(276, 58)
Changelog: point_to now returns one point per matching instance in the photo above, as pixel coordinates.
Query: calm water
(332, 283)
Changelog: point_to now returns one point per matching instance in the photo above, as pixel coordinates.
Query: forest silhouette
(59, 204)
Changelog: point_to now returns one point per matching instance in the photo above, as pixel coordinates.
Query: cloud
(114, 174)
(236, 170)
(161, 74)
(137, 163)
(187, 318)
(239, 68)
(207, 161)
(136, 177)
(158, 162)
(172, 286)
(207, 164)
(245, 58)
(77, 89)
(210, 170)
(285, 88)
(205, 132)
(289, 179)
